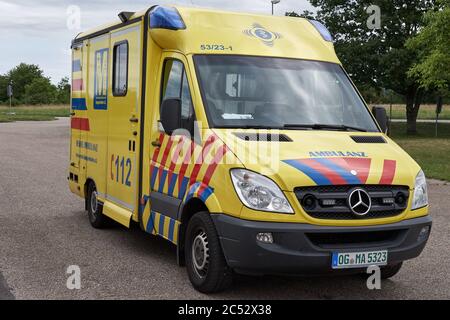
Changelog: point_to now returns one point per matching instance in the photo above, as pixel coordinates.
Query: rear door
(94, 145)
(78, 105)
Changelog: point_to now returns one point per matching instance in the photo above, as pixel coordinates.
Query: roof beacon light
(166, 18)
(326, 35)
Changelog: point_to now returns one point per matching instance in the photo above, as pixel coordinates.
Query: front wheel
(205, 262)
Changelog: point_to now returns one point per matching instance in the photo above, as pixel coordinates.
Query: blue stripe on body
(184, 185)
(171, 229)
(346, 175)
(153, 175)
(151, 222)
(172, 183)
(76, 65)
(162, 220)
(206, 194)
(315, 175)
(192, 190)
(79, 104)
(162, 181)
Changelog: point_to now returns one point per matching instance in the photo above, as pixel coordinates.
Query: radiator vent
(269, 137)
(368, 139)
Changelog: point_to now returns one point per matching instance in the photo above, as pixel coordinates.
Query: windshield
(260, 92)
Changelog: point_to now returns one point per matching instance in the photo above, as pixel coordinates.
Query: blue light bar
(326, 35)
(166, 18)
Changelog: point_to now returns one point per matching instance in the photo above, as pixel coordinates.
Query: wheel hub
(94, 202)
(200, 254)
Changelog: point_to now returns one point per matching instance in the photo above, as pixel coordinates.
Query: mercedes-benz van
(241, 139)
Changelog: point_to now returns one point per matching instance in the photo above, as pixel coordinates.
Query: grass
(426, 111)
(33, 113)
(431, 153)
(42, 113)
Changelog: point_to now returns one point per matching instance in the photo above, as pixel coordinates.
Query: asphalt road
(44, 229)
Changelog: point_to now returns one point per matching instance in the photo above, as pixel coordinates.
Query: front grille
(369, 238)
(339, 208)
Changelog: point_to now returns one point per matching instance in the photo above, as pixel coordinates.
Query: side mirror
(171, 115)
(381, 116)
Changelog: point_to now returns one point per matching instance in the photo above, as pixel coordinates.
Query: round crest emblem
(266, 36)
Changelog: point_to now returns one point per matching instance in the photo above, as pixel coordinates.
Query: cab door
(123, 121)
(169, 155)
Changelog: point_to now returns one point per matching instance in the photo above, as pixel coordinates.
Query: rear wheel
(94, 208)
(205, 262)
(390, 270)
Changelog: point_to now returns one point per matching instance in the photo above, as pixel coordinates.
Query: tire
(205, 262)
(390, 270)
(94, 208)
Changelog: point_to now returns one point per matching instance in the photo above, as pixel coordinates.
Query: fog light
(265, 237)
(424, 232)
(400, 198)
(309, 202)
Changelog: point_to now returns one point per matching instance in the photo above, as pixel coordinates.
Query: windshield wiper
(248, 127)
(319, 126)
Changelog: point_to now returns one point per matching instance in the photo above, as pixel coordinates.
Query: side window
(175, 85)
(120, 69)
(186, 100)
(173, 71)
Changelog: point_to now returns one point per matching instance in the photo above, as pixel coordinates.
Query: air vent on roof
(270, 137)
(368, 139)
(125, 16)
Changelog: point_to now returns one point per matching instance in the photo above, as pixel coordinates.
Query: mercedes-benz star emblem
(359, 202)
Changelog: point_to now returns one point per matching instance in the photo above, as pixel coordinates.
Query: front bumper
(306, 249)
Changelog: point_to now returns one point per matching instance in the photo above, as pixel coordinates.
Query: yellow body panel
(208, 29)
(106, 145)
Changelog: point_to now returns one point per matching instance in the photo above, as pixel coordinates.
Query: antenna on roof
(125, 16)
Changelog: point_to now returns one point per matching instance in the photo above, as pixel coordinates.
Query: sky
(40, 31)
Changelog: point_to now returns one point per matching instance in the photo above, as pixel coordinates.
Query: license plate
(342, 260)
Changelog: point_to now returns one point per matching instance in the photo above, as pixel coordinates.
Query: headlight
(420, 198)
(259, 192)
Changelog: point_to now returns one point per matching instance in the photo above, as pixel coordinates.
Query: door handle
(156, 144)
(134, 120)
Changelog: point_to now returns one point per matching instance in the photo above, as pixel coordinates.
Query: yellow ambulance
(240, 139)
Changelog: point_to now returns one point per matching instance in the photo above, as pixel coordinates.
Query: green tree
(63, 95)
(433, 45)
(40, 91)
(23, 75)
(378, 58)
(3, 86)
(305, 14)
